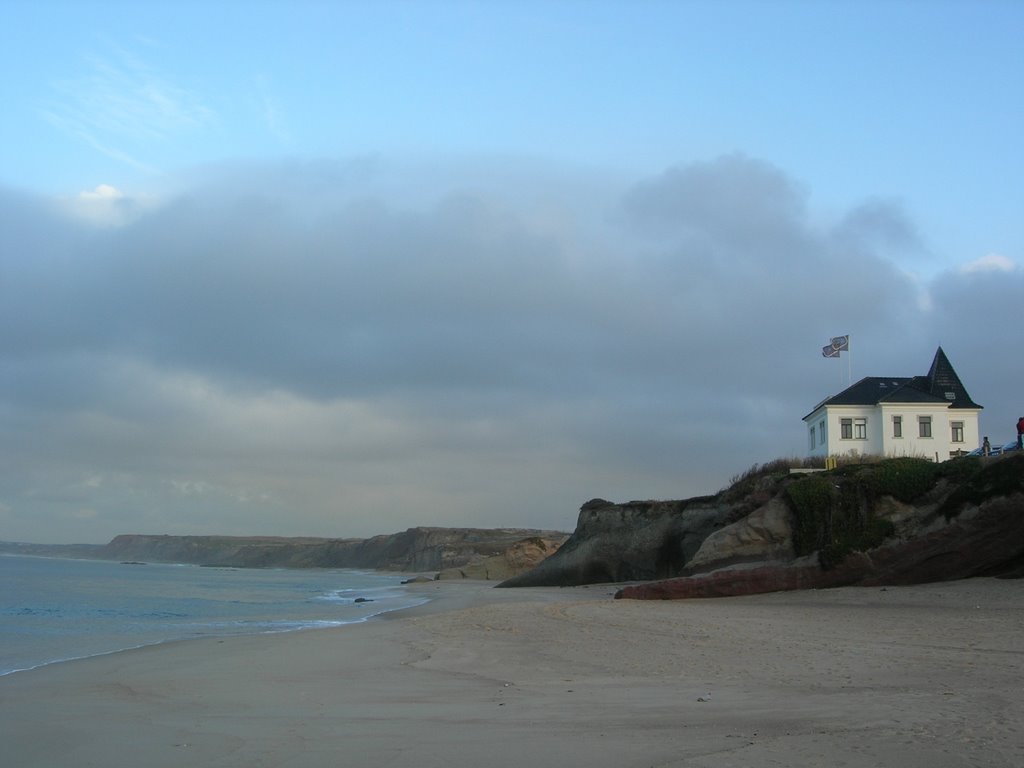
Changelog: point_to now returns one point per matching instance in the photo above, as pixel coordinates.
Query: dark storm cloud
(734, 199)
(882, 224)
(363, 298)
(756, 285)
(977, 321)
(346, 349)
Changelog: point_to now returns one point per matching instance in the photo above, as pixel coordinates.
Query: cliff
(898, 521)
(640, 540)
(449, 550)
(414, 550)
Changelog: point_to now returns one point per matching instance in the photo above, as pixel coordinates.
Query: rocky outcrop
(438, 549)
(898, 521)
(474, 550)
(627, 542)
(763, 535)
(520, 557)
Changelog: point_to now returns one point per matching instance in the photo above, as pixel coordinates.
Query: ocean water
(60, 609)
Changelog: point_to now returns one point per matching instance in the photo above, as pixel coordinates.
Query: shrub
(904, 478)
(960, 470)
(833, 511)
(1001, 477)
(811, 500)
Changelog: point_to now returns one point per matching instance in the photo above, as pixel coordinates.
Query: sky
(343, 268)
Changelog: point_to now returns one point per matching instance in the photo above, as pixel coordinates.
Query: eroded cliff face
(522, 556)
(627, 542)
(895, 522)
(988, 541)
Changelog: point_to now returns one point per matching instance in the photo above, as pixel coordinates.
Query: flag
(829, 351)
(841, 343)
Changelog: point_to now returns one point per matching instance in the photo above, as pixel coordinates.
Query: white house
(930, 416)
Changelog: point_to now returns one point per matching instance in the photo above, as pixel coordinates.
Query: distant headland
(477, 553)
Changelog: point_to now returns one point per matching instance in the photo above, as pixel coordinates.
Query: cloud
(884, 225)
(106, 206)
(992, 262)
(976, 312)
(271, 113)
(351, 348)
(103, 192)
(734, 198)
(120, 106)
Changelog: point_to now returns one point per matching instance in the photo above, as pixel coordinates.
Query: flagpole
(849, 360)
(836, 346)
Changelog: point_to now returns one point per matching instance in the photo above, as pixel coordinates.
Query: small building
(930, 416)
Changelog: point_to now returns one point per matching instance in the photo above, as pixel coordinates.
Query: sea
(55, 609)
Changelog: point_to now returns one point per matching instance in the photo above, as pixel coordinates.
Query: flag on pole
(836, 345)
(841, 343)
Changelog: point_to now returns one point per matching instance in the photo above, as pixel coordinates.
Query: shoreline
(80, 613)
(326, 625)
(925, 675)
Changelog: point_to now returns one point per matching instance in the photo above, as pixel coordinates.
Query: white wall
(871, 446)
(813, 420)
(880, 440)
(941, 442)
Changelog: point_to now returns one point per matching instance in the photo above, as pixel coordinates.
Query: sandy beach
(930, 675)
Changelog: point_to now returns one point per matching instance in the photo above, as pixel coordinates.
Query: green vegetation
(960, 470)
(811, 499)
(753, 482)
(1004, 477)
(834, 511)
(746, 480)
(905, 479)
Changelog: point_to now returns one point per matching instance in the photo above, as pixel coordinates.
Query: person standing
(1020, 432)
(986, 447)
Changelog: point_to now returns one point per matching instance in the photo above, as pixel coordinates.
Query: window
(860, 429)
(924, 426)
(821, 430)
(846, 429)
(897, 426)
(957, 428)
(812, 438)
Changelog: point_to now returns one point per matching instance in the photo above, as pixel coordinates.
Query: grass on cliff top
(900, 477)
(760, 476)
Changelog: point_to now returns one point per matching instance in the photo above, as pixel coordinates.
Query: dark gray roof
(941, 385)
(944, 383)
